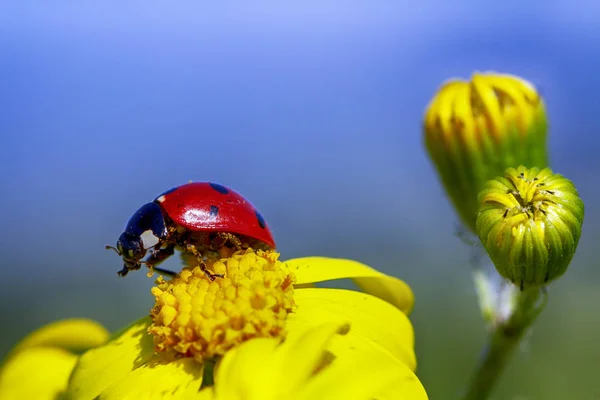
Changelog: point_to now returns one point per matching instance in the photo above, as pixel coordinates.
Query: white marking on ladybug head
(149, 239)
(161, 199)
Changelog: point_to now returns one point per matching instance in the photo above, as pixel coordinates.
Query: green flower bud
(530, 223)
(475, 130)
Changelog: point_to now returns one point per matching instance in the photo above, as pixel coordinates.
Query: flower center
(528, 196)
(198, 318)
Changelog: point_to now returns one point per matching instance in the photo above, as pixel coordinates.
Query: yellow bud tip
(488, 102)
(530, 224)
(199, 318)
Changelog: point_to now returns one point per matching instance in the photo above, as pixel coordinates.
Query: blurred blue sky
(310, 110)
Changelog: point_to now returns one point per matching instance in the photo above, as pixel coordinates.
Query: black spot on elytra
(261, 220)
(214, 211)
(219, 188)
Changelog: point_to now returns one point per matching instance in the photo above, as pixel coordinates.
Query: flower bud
(530, 223)
(476, 129)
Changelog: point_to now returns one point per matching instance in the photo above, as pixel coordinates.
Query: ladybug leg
(123, 271)
(163, 271)
(192, 249)
(158, 256)
(223, 238)
(129, 267)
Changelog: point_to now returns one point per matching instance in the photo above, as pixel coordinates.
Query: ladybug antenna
(108, 247)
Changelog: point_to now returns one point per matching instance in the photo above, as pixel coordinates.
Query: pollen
(196, 317)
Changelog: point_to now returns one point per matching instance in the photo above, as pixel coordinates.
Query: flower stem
(503, 340)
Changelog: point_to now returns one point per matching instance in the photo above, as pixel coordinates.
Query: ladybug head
(146, 229)
(131, 248)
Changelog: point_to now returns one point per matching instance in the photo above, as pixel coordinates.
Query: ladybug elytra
(196, 218)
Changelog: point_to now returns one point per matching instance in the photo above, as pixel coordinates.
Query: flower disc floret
(200, 318)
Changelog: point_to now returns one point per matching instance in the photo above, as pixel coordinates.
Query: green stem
(502, 342)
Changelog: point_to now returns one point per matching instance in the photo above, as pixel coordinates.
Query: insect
(196, 218)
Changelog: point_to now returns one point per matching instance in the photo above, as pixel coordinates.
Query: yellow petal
(302, 352)
(405, 387)
(70, 334)
(319, 269)
(159, 379)
(370, 317)
(207, 394)
(250, 372)
(262, 369)
(36, 373)
(364, 375)
(103, 366)
(348, 345)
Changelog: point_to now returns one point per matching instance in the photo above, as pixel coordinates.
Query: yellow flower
(40, 365)
(475, 129)
(266, 310)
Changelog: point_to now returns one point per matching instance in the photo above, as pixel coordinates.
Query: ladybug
(197, 218)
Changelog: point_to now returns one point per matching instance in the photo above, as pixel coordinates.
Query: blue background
(313, 112)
